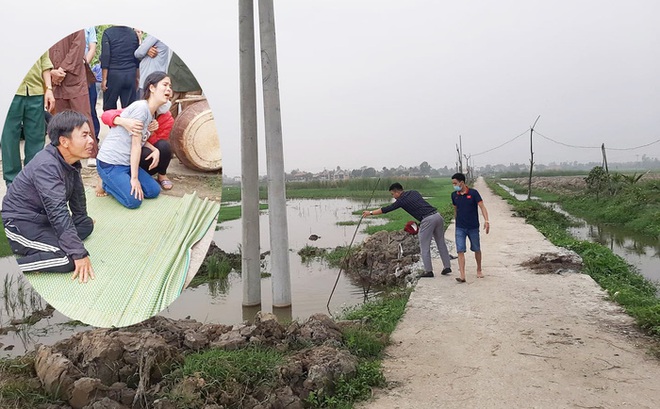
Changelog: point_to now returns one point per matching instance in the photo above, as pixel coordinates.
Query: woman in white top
(118, 160)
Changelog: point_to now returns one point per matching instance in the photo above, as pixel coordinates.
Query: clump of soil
(234, 259)
(384, 258)
(557, 184)
(564, 261)
(311, 252)
(135, 367)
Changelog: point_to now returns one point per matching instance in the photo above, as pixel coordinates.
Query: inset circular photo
(112, 174)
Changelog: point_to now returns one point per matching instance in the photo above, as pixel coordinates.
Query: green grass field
(436, 191)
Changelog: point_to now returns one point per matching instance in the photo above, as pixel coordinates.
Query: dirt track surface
(515, 339)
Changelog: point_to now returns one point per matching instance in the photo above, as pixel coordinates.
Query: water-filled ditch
(640, 251)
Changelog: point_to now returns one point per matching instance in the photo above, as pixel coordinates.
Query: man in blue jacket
(45, 210)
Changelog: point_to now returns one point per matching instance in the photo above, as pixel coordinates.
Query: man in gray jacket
(45, 210)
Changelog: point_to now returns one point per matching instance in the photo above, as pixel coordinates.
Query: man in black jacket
(45, 210)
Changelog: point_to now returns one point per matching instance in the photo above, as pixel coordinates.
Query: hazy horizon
(385, 83)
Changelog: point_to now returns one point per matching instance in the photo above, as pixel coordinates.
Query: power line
(566, 144)
(597, 147)
(636, 147)
(499, 146)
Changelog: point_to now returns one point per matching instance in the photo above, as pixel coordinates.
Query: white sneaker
(91, 162)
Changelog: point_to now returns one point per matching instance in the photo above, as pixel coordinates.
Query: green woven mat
(140, 259)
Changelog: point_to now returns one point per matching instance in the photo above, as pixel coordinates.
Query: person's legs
(425, 234)
(145, 163)
(475, 246)
(111, 94)
(439, 237)
(84, 226)
(150, 187)
(34, 127)
(461, 247)
(165, 149)
(38, 244)
(11, 140)
(128, 91)
(93, 96)
(117, 182)
(477, 256)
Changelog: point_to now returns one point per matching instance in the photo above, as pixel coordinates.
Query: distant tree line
(424, 169)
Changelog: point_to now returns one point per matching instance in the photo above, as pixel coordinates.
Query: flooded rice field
(25, 318)
(312, 282)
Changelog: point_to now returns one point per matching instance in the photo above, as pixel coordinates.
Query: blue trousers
(117, 182)
(93, 96)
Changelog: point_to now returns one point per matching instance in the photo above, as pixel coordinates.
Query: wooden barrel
(194, 138)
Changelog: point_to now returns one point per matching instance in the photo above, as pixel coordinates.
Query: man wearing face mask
(466, 201)
(431, 224)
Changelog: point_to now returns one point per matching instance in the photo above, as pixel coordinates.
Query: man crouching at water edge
(35, 210)
(432, 224)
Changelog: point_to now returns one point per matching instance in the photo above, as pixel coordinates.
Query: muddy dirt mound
(384, 258)
(132, 367)
(558, 184)
(563, 261)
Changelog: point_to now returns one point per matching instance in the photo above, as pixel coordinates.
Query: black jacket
(43, 192)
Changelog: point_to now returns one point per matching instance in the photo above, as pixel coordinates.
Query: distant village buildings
(425, 170)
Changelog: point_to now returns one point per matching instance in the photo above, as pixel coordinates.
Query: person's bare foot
(99, 188)
(480, 274)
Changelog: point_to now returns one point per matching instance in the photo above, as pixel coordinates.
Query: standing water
(312, 282)
(25, 318)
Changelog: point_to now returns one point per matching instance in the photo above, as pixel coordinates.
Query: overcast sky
(388, 83)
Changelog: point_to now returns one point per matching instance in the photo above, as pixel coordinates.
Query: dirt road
(515, 339)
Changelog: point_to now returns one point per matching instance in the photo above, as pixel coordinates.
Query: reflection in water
(642, 252)
(21, 306)
(311, 281)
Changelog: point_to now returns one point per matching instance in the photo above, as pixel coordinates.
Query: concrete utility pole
(279, 236)
(250, 263)
(459, 152)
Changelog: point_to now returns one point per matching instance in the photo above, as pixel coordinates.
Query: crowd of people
(44, 211)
